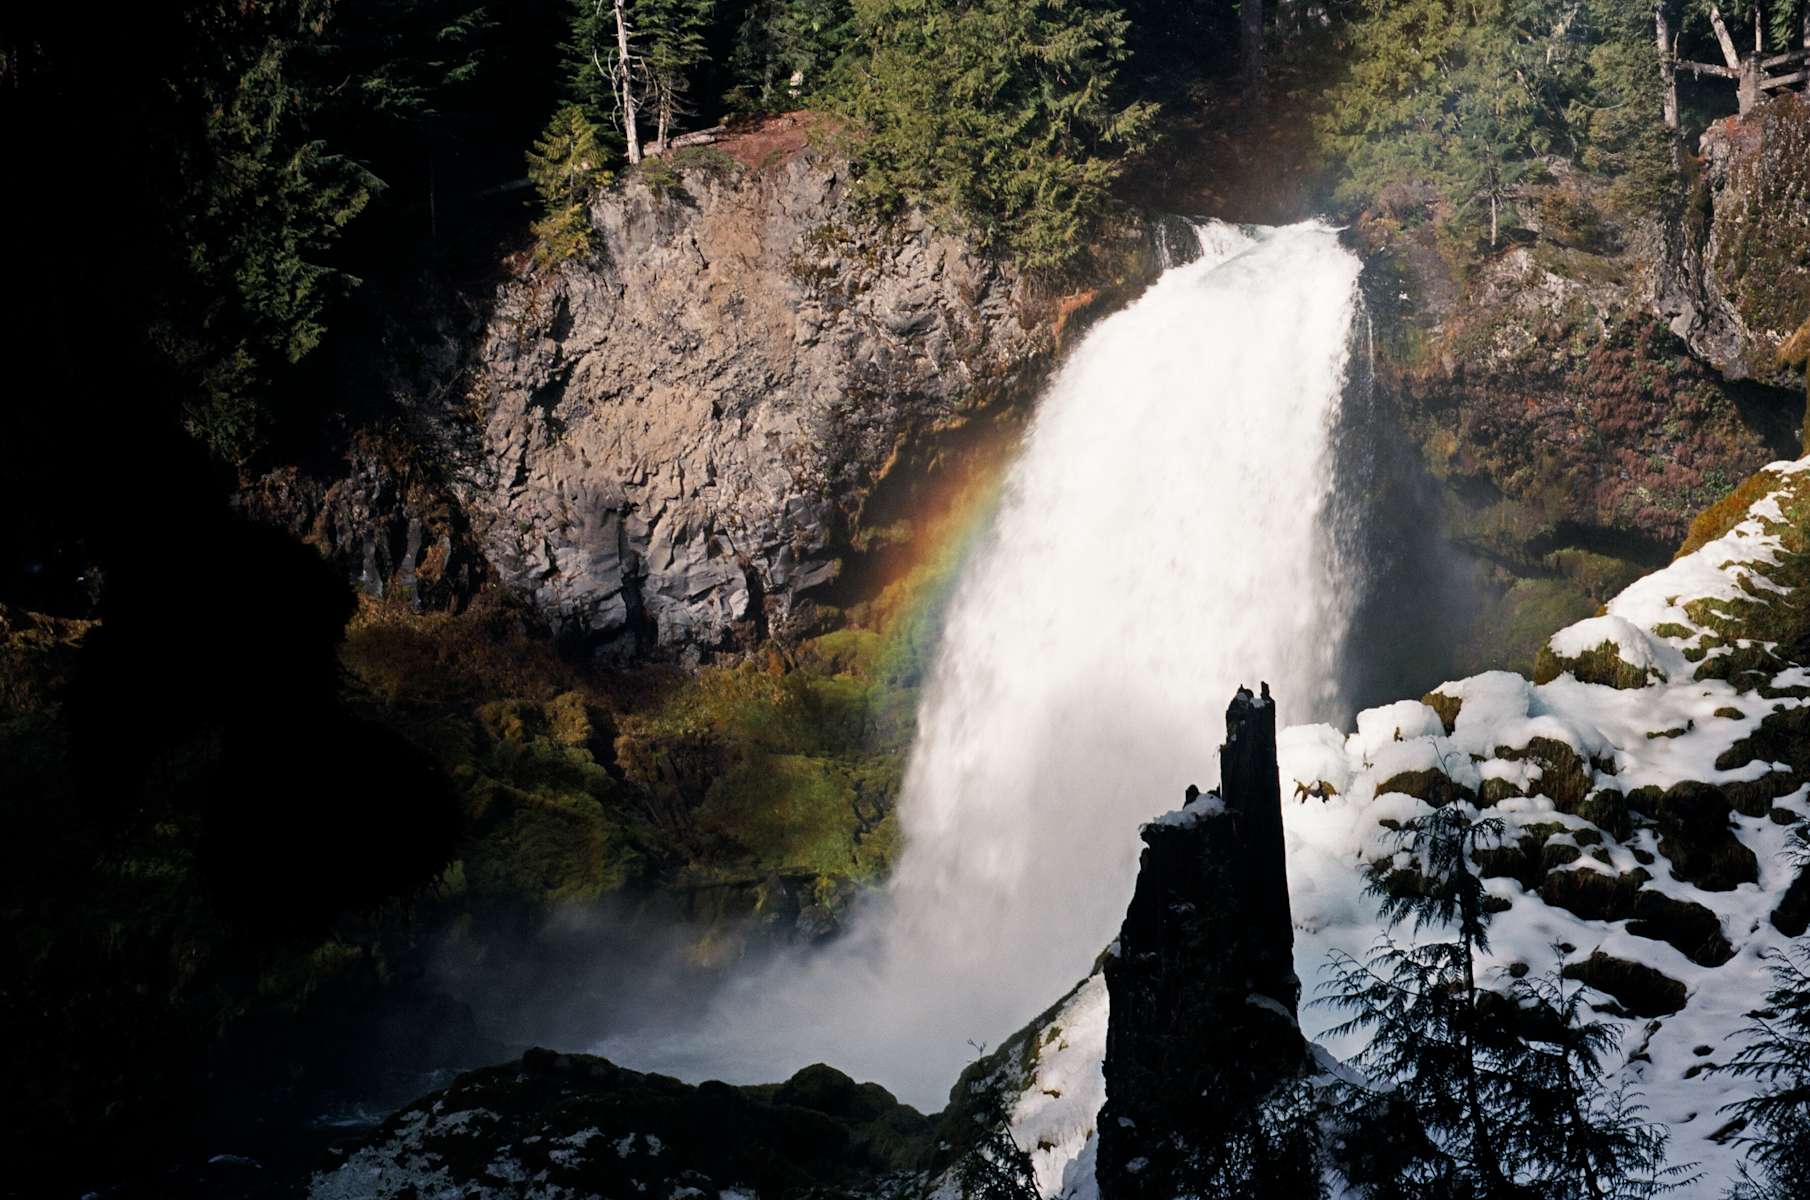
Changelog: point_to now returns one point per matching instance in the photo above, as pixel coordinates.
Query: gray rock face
(675, 439)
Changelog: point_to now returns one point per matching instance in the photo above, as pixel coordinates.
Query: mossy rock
(1640, 990)
(1754, 797)
(545, 846)
(1728, 512)
(1783, 735)
(1431, 785)
(1601, 664)
(1495, 790)
(1554, 855)
(1694, 930)
(1512, 634)
(794, 812)
(1695, 836)
(1591, 894)
(1565, 777)
(1607, 809)
(1767, 626)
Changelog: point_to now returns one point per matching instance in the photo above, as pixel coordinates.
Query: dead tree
(624, 72)
(1750, 72)
(1668, 65)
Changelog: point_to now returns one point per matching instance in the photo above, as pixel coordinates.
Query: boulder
(1639, 990)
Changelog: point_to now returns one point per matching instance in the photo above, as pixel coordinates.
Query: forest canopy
(296, 161)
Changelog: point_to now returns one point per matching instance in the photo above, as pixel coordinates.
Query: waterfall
(1163, 536)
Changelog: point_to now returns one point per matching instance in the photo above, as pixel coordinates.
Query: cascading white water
(1162, 538)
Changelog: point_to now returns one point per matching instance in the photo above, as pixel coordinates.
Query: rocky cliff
(674, 443)
(1736, 285)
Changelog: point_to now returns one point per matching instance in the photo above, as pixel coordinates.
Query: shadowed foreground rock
(574, 1127)
(1204, 1059)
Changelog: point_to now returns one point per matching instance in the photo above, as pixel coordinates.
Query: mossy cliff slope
(1586, 388)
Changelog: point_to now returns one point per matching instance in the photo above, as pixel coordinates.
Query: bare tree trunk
(1250, 13)
(625, 86)
(1728, 43)
(1668, 74)
(1495, 224)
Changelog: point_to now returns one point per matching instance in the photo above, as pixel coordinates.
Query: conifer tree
(1776, 1053)
(788, 50)
(1470, 1093)
(999, 115)
(995, 1167)
(1564, 1131)
(566, 167)
(672, 33)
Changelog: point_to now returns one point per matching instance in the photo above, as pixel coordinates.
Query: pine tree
(672, 33)
(998, 115)
(1464, 97)
(1470, 1093)
(1564, 1130)
(566, 168)
(995, 1167)
(590, 32)
(1776, 1052)
(788, 50)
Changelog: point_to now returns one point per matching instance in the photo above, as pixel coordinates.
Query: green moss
(1749, 638)
(1599, 576)
(844, 652)
(1511, 635)
(1607, 810)
(791, 812)
(1565, 778)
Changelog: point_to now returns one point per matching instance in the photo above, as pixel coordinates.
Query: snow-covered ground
(1672, 730)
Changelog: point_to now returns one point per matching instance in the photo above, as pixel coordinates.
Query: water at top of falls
(1161, 538)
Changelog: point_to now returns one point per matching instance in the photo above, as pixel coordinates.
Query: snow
(1378, 727)
(1054, 1116)
(1331, 832)
(1188, 815)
